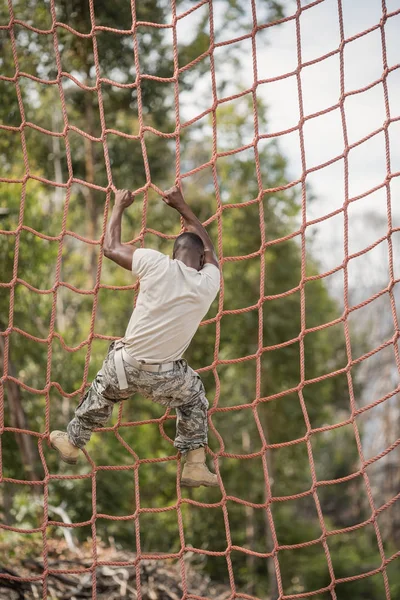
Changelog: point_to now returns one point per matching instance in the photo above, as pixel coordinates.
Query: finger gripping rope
(8, 377)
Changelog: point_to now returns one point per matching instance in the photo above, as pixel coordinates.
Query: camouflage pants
(180, 388)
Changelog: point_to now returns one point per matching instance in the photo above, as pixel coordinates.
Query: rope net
(252, 404)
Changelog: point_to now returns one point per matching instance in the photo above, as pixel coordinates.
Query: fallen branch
(158, 580)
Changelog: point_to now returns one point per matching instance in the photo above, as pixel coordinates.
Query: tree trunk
(92, 215)
(250, 526)
(6, 502)
(58, 193)
(19, 421)
(273, 584)
(58, 196)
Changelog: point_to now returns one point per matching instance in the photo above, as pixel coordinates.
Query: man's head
(189, 249)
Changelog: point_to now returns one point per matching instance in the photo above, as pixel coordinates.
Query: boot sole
(194, 483)
(69, 461)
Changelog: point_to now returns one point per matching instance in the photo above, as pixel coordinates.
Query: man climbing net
(175, 295)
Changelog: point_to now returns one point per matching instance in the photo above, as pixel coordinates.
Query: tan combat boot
(195, 471)
(67, 451)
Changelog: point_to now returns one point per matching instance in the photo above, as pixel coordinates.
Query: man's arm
(174, 198)
(113, 248)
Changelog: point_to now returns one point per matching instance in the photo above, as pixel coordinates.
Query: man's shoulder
(145, 259)
(211, 275)
(150, 253)
(210, 268)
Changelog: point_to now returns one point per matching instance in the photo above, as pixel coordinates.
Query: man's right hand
(124, 198)
(174, 198)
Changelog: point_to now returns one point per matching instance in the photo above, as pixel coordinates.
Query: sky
(365, 112)
(323, 135)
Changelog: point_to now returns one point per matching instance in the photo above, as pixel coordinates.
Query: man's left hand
(124, 198)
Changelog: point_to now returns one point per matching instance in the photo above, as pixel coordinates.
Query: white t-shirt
(172, 301)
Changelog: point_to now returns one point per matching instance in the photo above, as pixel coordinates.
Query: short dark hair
(190, 241)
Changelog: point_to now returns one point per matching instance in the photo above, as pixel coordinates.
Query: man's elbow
(108, 251)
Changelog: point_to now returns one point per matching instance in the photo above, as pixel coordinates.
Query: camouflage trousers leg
(180, 388)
